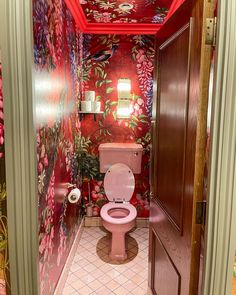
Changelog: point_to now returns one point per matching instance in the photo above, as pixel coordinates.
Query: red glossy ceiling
(106, 16)
(109, 11)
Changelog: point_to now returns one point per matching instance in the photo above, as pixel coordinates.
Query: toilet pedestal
(118, 215)
(117, 244)
(118, 251)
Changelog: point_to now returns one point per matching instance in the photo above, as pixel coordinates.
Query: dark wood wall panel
(172, 120)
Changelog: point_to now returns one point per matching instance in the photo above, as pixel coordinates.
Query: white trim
(20, 144)
(221, 233)
(65, 272)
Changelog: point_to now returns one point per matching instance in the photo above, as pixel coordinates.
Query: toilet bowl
(118, 216)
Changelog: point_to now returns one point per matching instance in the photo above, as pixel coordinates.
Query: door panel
(178, 149)
(165, 270)
(171, 212)
(172, 121)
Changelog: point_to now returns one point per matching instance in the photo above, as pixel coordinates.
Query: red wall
(67, 149)
(133, 59)
(57, 46)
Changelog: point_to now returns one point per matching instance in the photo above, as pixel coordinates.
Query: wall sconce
(124, 108)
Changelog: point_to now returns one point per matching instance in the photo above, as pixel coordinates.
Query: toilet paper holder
(74, 195)
(67, 185)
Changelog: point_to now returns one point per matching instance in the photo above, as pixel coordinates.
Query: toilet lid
(119, 183)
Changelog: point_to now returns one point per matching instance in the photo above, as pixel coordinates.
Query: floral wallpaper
(123, 56)
(65, 66)
(57, 58)
(4, 259)
(142, 11)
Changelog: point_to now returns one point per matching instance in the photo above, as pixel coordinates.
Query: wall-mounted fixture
(124, 93)
(124, 88)
(126, 6)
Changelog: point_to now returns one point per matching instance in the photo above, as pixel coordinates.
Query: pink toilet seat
(111, 205)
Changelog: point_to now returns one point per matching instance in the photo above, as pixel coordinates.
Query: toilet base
(118, 250)
(117, 244)
(117, 257)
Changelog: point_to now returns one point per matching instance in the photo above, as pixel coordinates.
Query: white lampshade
(124, 109)
(124, 88)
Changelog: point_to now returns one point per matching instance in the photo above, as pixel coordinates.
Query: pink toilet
(119, 161)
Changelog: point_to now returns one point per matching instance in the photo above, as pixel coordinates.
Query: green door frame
(221, 221)
(16, 45)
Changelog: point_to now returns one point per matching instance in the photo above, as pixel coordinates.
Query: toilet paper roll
(86, 106)
(96, 106)
(74, 196)
(89, 95)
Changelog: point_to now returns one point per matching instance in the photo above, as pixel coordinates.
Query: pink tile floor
(92, 272)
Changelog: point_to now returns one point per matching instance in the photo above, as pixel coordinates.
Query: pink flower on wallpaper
(62, 247)
(104, 17)
(51, 193)
(77, 125)
(100, 196)
(43, 151)
(145, 74)
(140, 56)
(97, 188)
(47, 231)
(40, 167)
(45, 161)
(94, 195)
(136, 107)
(140, 101)
(1, 129)
(58, 27)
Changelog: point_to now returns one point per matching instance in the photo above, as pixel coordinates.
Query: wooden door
(178, 151)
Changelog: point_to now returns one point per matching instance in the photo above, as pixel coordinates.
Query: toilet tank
(129, 154)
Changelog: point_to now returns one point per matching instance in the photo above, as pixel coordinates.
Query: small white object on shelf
(96, 106)
(90, 95)
(86, 106)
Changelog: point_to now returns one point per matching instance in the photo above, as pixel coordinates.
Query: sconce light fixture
(124, 89)
(123, 109)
